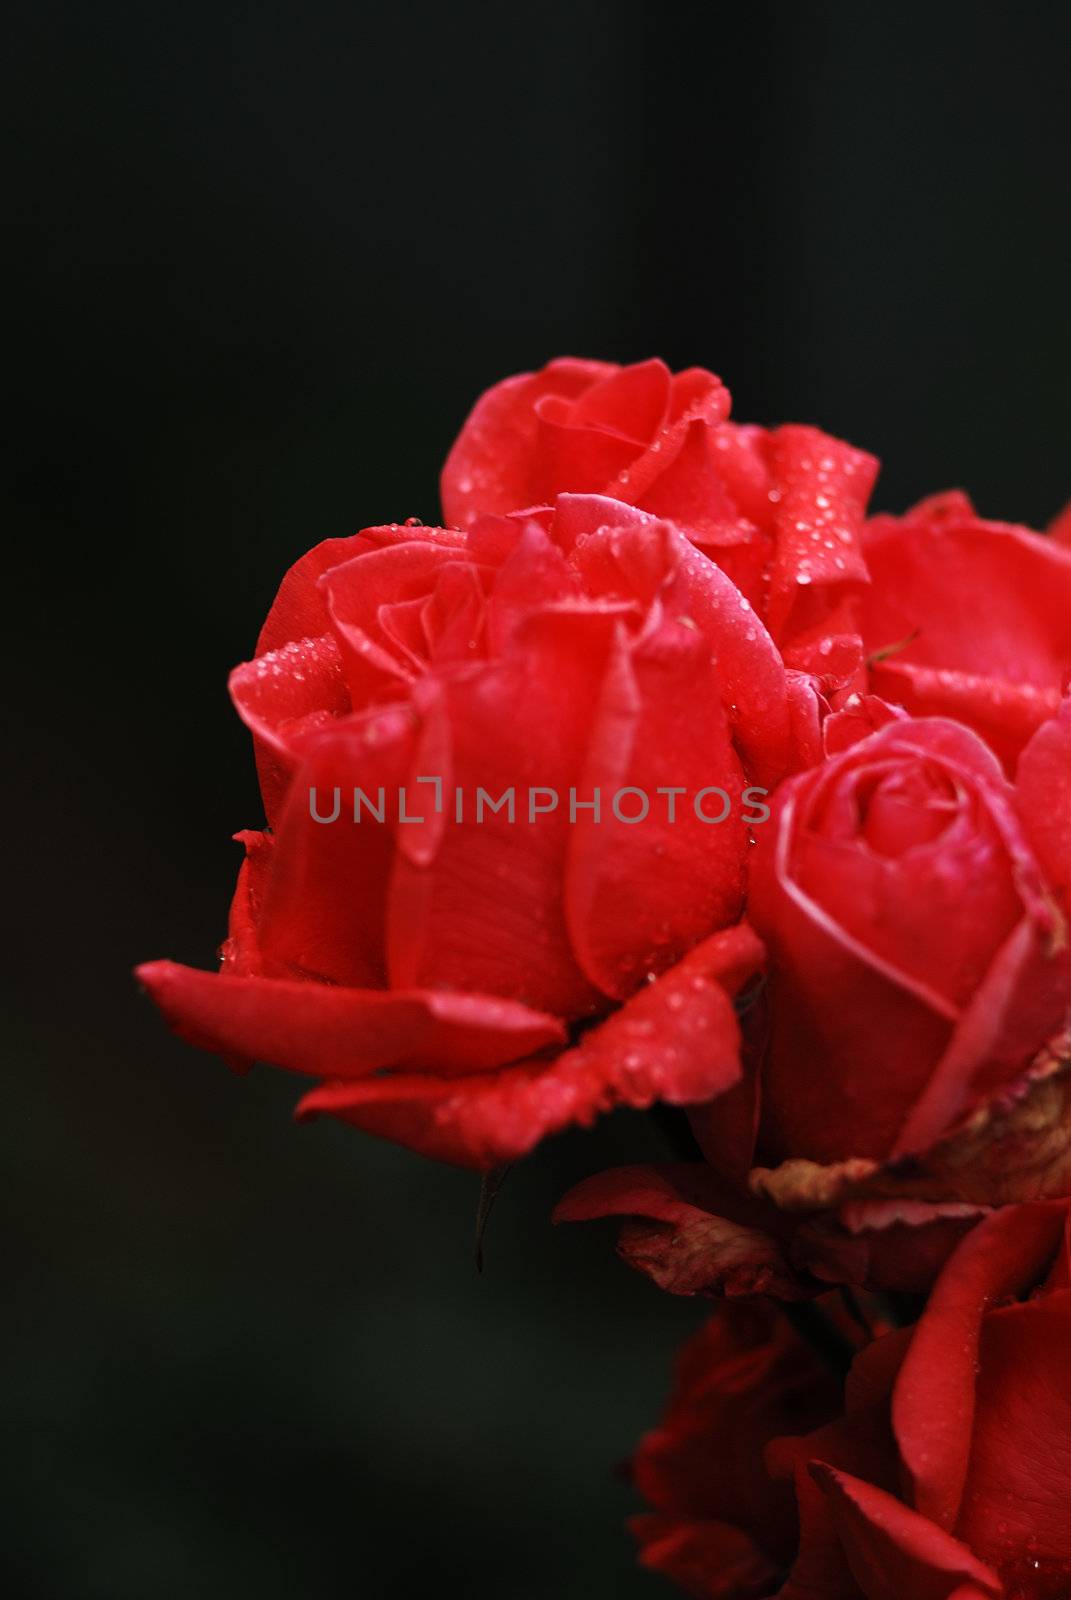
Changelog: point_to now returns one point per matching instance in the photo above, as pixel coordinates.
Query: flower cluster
(763, 811)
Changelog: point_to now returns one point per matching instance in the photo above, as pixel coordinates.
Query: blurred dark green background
(263, 259)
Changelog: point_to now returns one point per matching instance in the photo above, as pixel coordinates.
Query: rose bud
(968, 619)
(781, 510)
(919, 962)
(434, 969)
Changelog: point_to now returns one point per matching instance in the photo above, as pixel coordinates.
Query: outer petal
(859, 1443)
(1018, 1489)
(240, 953)
(323, 911)
(283, 695)
(660, 722)
(682, 472)
(933, 1403)
(298, 610)
(489, 468)
(481, 907)
(999, 667)
(295, 681)
(676, 1040)
(894, 1552)
(318, 1029)
(934, 577)
(1005, 714)
(592, 443)
(1023, 1003)
(822, 485)
(619, 552)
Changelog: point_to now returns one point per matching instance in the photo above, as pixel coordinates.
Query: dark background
(265, 257)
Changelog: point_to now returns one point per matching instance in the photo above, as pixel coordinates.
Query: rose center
(911, 805)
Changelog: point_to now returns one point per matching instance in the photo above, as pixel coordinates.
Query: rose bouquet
(661, 776)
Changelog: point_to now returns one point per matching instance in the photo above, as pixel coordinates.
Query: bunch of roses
(861, 993)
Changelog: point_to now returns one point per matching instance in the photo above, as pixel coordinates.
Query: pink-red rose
(434, 973)
(918, 957)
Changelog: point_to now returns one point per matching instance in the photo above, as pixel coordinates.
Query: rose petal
(324, 910)
(298, 610)
(934, 574)
(318, 1029)
(282, 695)
(822, 485)
(240, 953)
(677, 1040)
(357, 591)
(1018, 1488)
(1005, 714)
(934, 1399)
(488, 871)
(659, 722)
(1043, 797)
(894, 1552)
(632, 402)
(489, 468)
(621, 552)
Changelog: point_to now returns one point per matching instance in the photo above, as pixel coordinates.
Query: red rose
(975, 616)
(950, 1474)
(431, 972)
(781, 510)
(720, 1526)
(918, 960)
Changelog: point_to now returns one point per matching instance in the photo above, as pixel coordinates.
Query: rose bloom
(465, 987)
(974, 615)
(907, 1061)
(946, 1472)
(780, 509)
